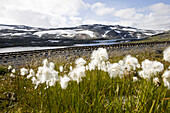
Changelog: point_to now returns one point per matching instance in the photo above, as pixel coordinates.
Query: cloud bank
(55, 13)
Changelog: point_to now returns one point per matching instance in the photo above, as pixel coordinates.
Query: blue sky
(146, 14)
(128, 3)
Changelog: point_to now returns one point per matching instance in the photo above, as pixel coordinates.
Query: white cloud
(75, 20)
(101, 9)
(160, 9)
(92, 21)
(56, 13)
(157, 16)
(125, 13)
(46, 13)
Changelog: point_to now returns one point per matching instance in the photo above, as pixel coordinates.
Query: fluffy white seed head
(45, 63)
(23, 71)
(71, 68)
(166, 78)
(13, 71)
(64, 82)
(144, 75)
(135, 79)
(146, 64)
(100, 54)
(166, 83)
(46, 74)
(156, 80)
(77, 73)
(61, 68)
(34, 80)
(121, 62)
(93, 64)
(166, 75)
(31, 74)
(131, 63)
(151, 68)
(12, 75)
(51, 65)
(166, 54)
(9, 67)
(103, 55)
(98, 57)
(80, 62)
(115, 70)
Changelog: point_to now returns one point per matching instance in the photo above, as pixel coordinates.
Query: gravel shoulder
(34, 58)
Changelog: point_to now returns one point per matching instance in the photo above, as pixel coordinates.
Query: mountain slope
(20, 35)
(79, 32)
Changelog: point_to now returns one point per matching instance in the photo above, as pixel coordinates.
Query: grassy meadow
(95, 90)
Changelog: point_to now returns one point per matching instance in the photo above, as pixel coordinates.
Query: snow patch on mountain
(6, 27)
(129, 29)
(65, 33)
(117, 31)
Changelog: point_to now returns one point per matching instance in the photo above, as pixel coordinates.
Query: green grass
(3, 71)
(97, 93)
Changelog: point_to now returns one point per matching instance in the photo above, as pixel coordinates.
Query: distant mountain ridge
(21, 35)
(79, 32)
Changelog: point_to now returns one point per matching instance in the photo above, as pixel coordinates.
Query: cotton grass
(166, 54)
(23, 71)
(150, 69)
(99, 84)
(64, 81)
(166, 79)
(45, 74)
(99, 61)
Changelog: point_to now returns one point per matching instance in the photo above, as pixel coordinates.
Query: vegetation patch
(103, 83)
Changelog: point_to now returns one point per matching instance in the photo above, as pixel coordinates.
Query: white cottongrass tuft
(9, 67)
(13, 71)
(131, 63)
(156, 80)
(12, 75)
(61, 68)
(79, 71)
(150, 68)
(135, 79)
(23, 71)
(100, 54)
(34, 80)
(166, 54)
(51, 65)
(121, 62)
(98, 57)
(45, 63)
(71, 68)
(80, 62)
(32, 73)
(166, 78)
(115, 70)
(144, 75)
(64, 81)
(46, 74)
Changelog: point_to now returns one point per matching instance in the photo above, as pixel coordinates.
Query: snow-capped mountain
(79, 32)
(16, 35)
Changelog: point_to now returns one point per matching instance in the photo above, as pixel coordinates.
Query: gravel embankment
(33, 58)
